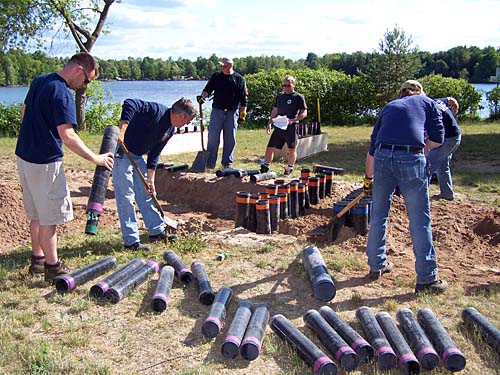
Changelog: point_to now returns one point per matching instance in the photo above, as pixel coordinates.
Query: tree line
(469, 63)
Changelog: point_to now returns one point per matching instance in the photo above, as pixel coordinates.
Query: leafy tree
(23, 22)
(396, 62)
(493, 98)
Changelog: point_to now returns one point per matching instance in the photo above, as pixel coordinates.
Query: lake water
(167, 92)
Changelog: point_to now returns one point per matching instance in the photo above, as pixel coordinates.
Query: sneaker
(288, 171)
(52, 271)
(264, 168)
(438, 286)
(227, 166)
(37, 265)
(163, 237)
(375, 275)
(137, 246)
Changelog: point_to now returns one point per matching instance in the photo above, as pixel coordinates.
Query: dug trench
(466, 234)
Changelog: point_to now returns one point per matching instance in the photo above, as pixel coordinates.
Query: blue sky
(290, 28)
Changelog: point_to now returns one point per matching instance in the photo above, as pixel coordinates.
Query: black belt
(412, 149)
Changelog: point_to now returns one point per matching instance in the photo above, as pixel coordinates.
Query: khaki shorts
(45, 192)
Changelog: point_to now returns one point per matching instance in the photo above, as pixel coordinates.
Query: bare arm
(75, 144)
(274, 113)
(369, 165)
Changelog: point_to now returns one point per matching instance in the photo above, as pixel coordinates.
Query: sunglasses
(87, 80)
(286, 85)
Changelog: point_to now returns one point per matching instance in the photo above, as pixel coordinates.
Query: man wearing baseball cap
(229, 109)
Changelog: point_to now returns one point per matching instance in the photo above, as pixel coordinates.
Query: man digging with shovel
(145, 128)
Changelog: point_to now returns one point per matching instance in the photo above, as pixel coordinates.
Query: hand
(368, 184)
(105, 160)
(242, 117)
(200, 99)
(268, 129)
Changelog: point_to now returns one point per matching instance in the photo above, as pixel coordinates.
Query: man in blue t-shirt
(291, 104)
(145, 129)
(405, 128)
(48, 121)
(229, 109)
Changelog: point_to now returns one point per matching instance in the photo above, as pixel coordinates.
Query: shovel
(200, 162)
(333, 227)
(168, 222)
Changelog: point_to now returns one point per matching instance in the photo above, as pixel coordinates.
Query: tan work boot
(52, 271)
(36, 266)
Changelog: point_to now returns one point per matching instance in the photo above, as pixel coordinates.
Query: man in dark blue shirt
(404, 129)
(145, 128)
(440, 157)
(230, 92)
(48, 120)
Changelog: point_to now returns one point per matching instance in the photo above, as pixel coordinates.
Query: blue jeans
(225, 121)
(408, 171)
(129, 188)
(439, 160)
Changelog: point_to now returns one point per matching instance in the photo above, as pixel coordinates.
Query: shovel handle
(350, 205)
(141, 176)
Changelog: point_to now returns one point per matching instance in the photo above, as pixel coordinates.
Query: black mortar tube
(415, 336)
(451, 356)
(407, 362)
(116, 293)
(67, 283)
(231, 345)
(205, 293)
(176, 168)
(181, 271)
(274, 212)
(98, 289)
(242, 209)
(323, 168)
(488, 331)
(162, 165)
(343, 353)
(100, 181)
(263, 217)
(159, 302)
(252, 341)
(319, 361)
(228, 172)
(359, 344)
(213, 323)
(384, 354)
(246, 172)
(321, 282)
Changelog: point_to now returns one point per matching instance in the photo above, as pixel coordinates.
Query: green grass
(42, 332)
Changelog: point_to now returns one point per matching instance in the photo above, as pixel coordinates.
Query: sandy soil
(467, 234)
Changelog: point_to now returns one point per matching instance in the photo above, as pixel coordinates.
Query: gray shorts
(45, 192)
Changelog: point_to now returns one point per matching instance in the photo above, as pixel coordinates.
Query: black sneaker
(264, 168)
(37, 265)
(375, 275)
(438, 286)
(137, 246)
(288, 171)
(163, 237)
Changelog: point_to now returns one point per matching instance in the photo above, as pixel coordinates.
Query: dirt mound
(467, 235)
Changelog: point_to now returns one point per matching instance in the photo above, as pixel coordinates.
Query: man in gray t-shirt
(291, 104)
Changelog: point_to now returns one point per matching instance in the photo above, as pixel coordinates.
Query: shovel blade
(200, 162)
(172, 224)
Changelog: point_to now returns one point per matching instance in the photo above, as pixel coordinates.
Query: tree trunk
(80, 100)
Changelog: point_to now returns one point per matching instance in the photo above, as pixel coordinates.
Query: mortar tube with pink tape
(213, 323)
(416, 338)
(356, 342)
(252, 341)
(489, 332)
(205, 293)
(344, 355)
(384, 354)
(98, 289)
(452, 357)
(182, 273)
(67, 283)
(231, 345)
(124, 286)
(407, 362)
(100, 181)
(319, 361)
(160, 299)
